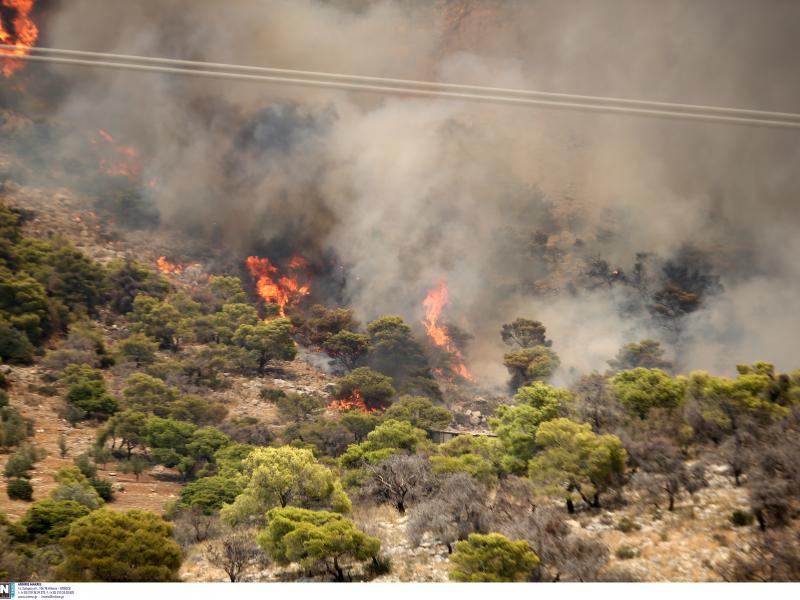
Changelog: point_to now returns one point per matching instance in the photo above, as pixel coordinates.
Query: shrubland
(144, 362)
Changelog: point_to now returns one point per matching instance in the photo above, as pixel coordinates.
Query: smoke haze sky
(403, 191)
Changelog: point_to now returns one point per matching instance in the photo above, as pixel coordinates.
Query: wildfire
(284, 290)
(167, 267)
(355, 402)
(117, 160)
(24, 37)
(434, 302)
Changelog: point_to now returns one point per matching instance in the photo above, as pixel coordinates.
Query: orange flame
(283, 291)
(354, 402)
(434, 302)
(117, 160)
(25, 35)
(167, 267)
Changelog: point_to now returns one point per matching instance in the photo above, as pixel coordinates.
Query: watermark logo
(6, 591)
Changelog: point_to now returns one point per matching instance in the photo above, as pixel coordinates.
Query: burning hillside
(337, 289)
(528, 212)
(116, 160)
(169, 268)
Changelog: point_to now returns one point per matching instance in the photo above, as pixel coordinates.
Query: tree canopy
(374, 388)
(576, 462)
(516, 426)
(390, 437)
(420, 412)
(119, 546)
(492, 557)
(527, 365)
(639, 390)
(647, 354)
(317, 540)
(266, 341)
(525, 333)
(281, 477)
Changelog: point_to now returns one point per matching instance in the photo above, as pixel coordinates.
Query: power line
(672, 106)
(406, 87)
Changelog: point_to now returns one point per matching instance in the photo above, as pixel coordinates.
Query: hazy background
(510, 204)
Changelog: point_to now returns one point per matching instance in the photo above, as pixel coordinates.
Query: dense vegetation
(139, 359)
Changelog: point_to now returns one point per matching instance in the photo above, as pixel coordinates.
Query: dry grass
(149, 493)
(682, 545)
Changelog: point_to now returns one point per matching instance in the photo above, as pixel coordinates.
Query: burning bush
(364, 387)
(284, 291)
(434, 302)
(22, 34)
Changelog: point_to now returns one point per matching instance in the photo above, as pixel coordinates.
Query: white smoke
(407, 190)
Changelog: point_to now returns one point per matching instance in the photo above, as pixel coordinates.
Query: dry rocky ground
(158, 486)
(153, 490)
(683, 545)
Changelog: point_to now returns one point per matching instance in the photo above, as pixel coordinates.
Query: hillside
(687, 544)
(399, 291)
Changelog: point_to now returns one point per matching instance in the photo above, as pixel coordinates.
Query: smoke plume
(606, 228)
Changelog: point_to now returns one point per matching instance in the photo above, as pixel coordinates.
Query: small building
(440, 436)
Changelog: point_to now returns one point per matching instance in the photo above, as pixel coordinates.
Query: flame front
(167, 267)
(117, 160)
(283, 291)
(24, 37)
(353, 402)
(434, 302)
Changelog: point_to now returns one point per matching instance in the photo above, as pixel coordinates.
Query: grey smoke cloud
(405, 191)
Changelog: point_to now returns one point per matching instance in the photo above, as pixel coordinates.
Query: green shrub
(84, 463)
(137, 546)
(45, 390)
(628, 525)
(380, 565)
(74, 415)
(14, 428)
(20, 489)
(15, 347)
(47, 521)
(740, 518)
(126, 204)
(626, 552)
(271, 394)
(103, 488)
(209, 494)
(492, 558)
(90, 395)
(22, 460)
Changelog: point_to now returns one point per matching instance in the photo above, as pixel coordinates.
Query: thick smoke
(526, 212)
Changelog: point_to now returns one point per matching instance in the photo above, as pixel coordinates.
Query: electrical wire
(407, 87)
